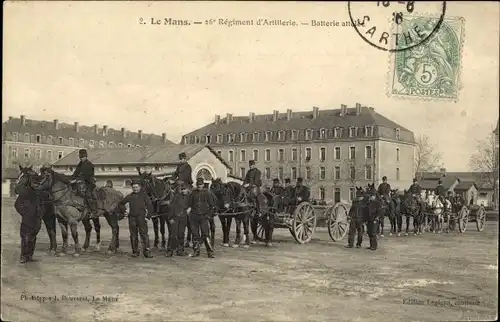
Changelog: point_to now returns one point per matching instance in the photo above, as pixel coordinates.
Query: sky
(95, 63)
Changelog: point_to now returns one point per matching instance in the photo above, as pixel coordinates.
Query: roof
(327, 119)
(479, 178)
(10, 173)
(429, 184)
(166, 154)
(465, 185)
(84, 132)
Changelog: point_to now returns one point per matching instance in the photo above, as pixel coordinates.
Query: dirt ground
(427, 278)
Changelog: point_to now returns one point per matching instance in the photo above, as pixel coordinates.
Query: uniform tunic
(440, 191)
(85, 171)
(253, 177)
(184, 173)
(415, 189)
(302, 192)
(202, 205)
(139, 203)
(384, 189)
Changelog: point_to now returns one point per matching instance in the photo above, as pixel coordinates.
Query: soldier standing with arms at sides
(85, 171)
(301, 192)
(183, 173)
(277, 191)
(201, 206)
(139, 204)
(253, 180)
(177, 221)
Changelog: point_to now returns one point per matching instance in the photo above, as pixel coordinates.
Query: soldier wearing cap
(301, 192)
(183, 173)
(141, 207)
(201, 206)
(278, 192)
(440, 191)
(415, 188)
(253, 180)
(85, 171)
(109, 184)
(384, 189)
(289, 191)
(177, 221)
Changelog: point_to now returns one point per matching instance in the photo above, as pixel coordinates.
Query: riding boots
(180, 250)
(196, 249)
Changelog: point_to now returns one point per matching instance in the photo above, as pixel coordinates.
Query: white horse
(438, 211)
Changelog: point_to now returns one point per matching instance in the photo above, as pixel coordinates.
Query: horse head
(360, 194)
(25, 179)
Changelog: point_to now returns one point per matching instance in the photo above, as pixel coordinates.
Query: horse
(384, 211)
(438, 212)
(395, 216)
(70, 205)
(161, 194)
(233, 199)
(411, 208)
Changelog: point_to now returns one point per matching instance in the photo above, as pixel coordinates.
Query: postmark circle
(374, 22)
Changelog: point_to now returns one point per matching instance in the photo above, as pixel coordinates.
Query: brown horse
(71, 206)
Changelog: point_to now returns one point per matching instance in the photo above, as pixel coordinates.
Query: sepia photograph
(250, 161)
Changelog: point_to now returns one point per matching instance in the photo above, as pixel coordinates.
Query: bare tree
(483, 160)
(427, 159)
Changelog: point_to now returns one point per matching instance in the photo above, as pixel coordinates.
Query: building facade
(34, 142)
(120, 165)
(333, 150)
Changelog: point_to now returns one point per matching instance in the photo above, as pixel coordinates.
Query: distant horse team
(52, 197)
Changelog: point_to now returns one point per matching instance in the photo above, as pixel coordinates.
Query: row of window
(294, 154)
(70, 141)
(283, 135)
(336, 194)
(354, 173)
(38, 154)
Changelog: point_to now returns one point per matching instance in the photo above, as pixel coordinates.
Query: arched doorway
(206, 175)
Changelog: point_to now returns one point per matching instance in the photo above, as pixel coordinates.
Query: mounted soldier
(440, 191)
(278, 192)
(183, 173)
(384, 189)
(301, 192)
(85, 172)
(253, 182)
(416, 192)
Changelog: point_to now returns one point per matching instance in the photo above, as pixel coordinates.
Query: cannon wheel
(463, 219)
(480, 218)
(338, 221)
(304, 223)
(261, 232)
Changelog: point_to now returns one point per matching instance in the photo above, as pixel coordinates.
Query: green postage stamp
(432, 69)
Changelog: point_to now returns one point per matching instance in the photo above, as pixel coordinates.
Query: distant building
(333, 150)
(35, 142)
(471, 184)
(120, 165)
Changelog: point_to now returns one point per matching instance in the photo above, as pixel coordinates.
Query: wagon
(337, 216)
(475, 214)
(301, 222)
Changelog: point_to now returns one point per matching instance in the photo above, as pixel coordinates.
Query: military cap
(440, 181)
(276, 180)
(449, 192)
(182, 155)
(384, 178)
(251, 162)
(136, 182)
(82, 153)
(200, 181)
(300, 180)
(415, 180)
(287, 180)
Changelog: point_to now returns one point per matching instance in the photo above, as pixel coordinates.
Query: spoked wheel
(480, 218)
(463, 219)
(261, 232)
(304, 223)
(338, 222)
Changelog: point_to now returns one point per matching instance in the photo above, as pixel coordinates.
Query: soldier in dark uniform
(183, 173)
(357, 222)
(384, 189)
(440, 191)
(109, 184)
(177, 220)
(85, 171)
(201, 206)
(301, 192)
(416, 191)
(253, 180)
(141, 207)
(277, 191)
(288, 194)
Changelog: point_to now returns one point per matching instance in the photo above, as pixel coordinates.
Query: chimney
(140, 134)
(229, 118)
(315, 112)
(251, 117)
(77, 127)
(10, 118)
(443, 172)
(358, 109)
(23, 120)
(123, 131)
(104, 130)
(164, 137)
(217, 119)
(288, 114)
(96, 128)
(343, 109)
(56, 124)
(275, 115)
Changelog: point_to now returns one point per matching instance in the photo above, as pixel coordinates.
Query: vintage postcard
(250, 161)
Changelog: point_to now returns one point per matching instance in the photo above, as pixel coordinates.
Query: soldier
(440, 191)
(277, 191)
(109, 184)
(356, 224)
(415, 188)
(183, 173)
(177, 221)
(288, 195)
(139, 204)
(201, 206)
(384, 189)
(301, 192)
(253, 180)
(85, 171)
